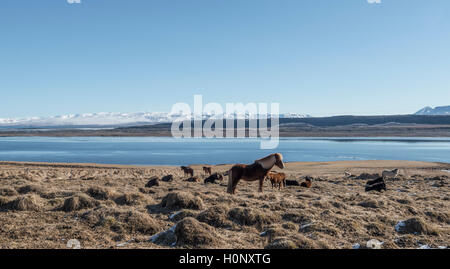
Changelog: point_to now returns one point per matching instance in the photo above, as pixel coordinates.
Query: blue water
(171, 151)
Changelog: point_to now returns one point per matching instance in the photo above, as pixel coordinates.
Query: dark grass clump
(130, 199)
(250, 217)
(180, 200)
(78, 202)
(190, 232)
(27, 203)
(30, 189)
(8, 192)
(215, 216)
(100, 193)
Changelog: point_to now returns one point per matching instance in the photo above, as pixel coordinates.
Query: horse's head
(279, 160)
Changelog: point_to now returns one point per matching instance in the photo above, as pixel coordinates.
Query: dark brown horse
(207, 170)
(256, 171)
(187, 171)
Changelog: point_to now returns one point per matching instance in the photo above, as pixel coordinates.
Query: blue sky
(321, 57)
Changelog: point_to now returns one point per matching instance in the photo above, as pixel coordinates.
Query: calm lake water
(171, 151)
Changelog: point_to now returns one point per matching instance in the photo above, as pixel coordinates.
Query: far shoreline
(354, 164)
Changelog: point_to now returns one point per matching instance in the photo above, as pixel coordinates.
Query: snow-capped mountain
(439, 110)
(109, 119)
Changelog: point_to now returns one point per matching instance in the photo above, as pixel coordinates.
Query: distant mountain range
(439, 110)
(108, 119)
(114, 120)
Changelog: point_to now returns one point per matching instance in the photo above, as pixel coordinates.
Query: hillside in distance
(337, 126)
(439, 110)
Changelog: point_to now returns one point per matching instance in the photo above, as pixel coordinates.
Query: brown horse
(307, 183)
(207, 170)
(256, 171)
(187, 171)
(277, 179)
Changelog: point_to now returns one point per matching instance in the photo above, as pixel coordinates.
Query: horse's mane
(269, 160)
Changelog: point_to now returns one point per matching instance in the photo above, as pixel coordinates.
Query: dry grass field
(108, 206)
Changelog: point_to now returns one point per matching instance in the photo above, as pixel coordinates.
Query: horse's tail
(230, 181)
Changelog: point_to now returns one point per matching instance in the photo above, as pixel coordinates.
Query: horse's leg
(235, 182)
(261, 183)
(231, 184)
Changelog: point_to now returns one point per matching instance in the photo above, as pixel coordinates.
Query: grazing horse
(256, 171)
(277, 179)
(213, 178)
(390, 174)
(207, 170)
(187, 171)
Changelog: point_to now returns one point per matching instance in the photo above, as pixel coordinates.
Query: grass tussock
(8, 192)
(78, 202)
(27, 203)
(216, 216)
(131, 199)
(250, 216)
(100, 193)
(180, 200)
(192, 233)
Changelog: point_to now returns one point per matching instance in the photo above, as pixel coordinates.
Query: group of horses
(188, 171)
(258, 171)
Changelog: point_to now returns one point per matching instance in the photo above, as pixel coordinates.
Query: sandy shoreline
(43, 205)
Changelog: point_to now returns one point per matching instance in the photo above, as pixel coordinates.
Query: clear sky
(321, 57)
